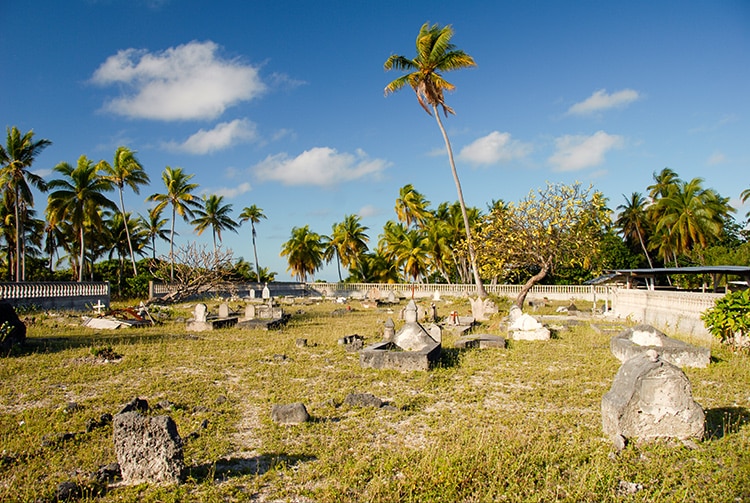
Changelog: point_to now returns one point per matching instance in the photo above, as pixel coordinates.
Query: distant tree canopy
(558, 226)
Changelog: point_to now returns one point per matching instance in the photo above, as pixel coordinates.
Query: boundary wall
(56, 295)
(670, 312)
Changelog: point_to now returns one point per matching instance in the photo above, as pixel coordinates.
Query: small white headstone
(200, 313)
(224, 310)
(266, 292)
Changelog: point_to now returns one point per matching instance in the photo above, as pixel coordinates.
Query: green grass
(520, 424)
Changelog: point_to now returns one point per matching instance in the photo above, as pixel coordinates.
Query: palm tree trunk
(643, 245)
(82, 257)
(472, 257)
(18, 236)
(255, 252)
(127, 233)
(171, 247)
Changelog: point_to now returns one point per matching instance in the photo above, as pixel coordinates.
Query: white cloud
(222, 136)
(232, 192)
(189, 81)
(322, 166)
(494, 148)
(716, 158)
(576, 152)
(368, 211)
(600, 101)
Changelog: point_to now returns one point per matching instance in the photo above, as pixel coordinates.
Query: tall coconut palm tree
(633, 221)
(690, 217)
(411, 207)
(664, 181)
(153, 227)
(16, 158)
(78, 198)
(215, 215)
(304, 252)
(126, 170)
(436, 54)
(413, 254)
(349, 241)
(253, 214)
(180, 196)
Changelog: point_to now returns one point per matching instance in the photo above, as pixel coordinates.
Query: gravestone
(389, 330)
(650, 398)
(148, 449)
(250, 312)
(373, 294)
(266, 294)
(482, 309)
(224, 310)
(200, 313)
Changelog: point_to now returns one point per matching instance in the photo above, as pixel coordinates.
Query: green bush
(729, 319)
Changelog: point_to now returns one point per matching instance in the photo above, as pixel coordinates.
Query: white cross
(98, 306)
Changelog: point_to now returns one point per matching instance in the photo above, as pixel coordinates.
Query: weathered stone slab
(481, 341)
(386, 355)
(293, 413)
(363, 400)
(650, 398)
(148, 449)
(637, 340)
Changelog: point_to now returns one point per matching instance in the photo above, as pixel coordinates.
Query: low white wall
(668, 311)
(56, 295)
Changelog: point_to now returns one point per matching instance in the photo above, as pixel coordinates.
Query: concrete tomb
(411, 348)
(650, 399)
(636, 340)
(202, 321)
(263, 316)
(481, 341)
(524, 327)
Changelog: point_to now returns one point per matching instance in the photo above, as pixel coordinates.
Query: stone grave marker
(650, 398)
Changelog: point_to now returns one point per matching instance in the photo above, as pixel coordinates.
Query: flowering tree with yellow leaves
(560, 225)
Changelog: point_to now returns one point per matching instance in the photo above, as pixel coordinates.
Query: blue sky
(280, 104)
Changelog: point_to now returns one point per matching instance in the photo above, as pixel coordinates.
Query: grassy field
(520, 424)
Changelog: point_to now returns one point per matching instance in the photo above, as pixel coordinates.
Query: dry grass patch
(520, 424)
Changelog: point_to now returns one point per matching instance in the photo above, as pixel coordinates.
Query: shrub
(729, 319)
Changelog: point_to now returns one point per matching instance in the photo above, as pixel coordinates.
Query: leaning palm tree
(79, 200)
(304, 252)
(126, 170)
(633, 221)
(16, 158)
(215, 215)
(436, 54)
(254, 215)
(180, 196)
